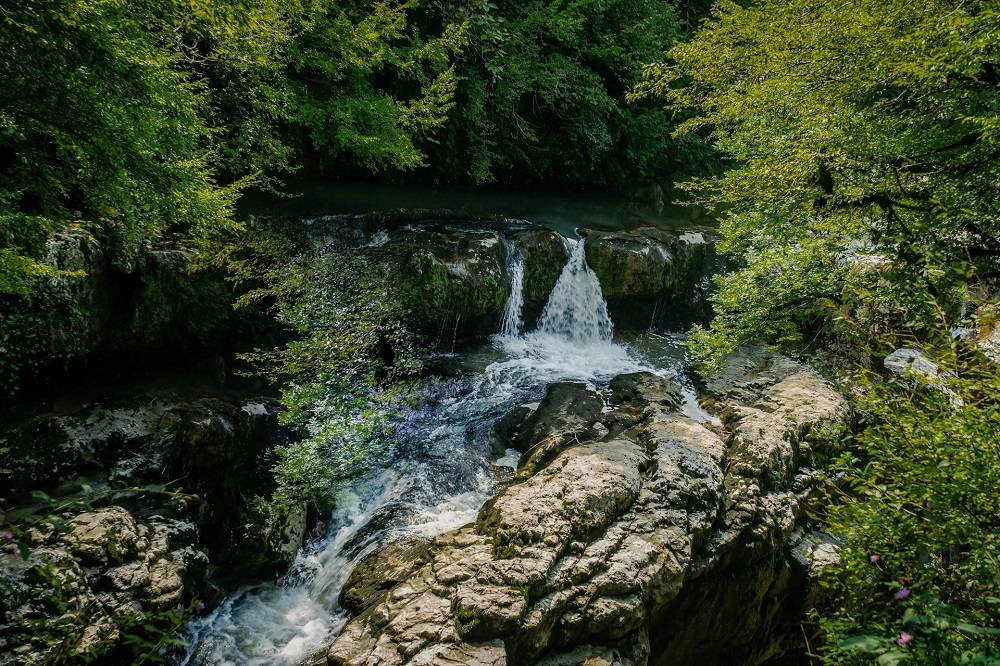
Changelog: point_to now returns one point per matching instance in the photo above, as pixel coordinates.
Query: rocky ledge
(651, 275)
(119, 543)
(631, 533)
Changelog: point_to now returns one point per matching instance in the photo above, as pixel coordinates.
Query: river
(445, 470)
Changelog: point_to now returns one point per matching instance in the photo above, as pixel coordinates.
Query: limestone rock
(603, 552)
(380, 571)
(649, 270)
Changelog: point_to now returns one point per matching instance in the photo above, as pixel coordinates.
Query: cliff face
(632, 535)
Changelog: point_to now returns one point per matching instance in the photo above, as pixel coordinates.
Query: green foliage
(349, 367)
(859, 209)
(854, 131)
(70, 631)
(99, 116)
(921, 514)
(542, 91)
(368, 85)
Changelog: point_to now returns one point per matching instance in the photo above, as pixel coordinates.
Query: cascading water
(441, 477)
(576, 309)
(512, 321)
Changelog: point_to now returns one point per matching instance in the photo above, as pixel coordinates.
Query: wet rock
(544, 255)
(641, 547)
(567, 415)
(567, 407)
(648, 272)
(452, 281)
(380, 571)
(639, 389)
(514, 428)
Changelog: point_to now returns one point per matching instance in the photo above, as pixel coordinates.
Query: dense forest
(847, 154)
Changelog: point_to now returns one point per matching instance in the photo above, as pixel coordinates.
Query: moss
(437, 299)
(467, 623)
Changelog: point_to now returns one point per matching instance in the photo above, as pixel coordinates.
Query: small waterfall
(576, 309)
(512, 321)
(439, 481)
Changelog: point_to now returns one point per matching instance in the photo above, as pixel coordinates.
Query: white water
(576, 310)
(512, 321)
(438, 482)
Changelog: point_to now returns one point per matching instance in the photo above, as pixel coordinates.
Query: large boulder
(653, 275)
(544, 253)
(451, 281)
(630, 544)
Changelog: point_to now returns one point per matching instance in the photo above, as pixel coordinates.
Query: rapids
(442, 475)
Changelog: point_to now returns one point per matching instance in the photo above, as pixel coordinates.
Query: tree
(541, 95)
(860, 206)
(853, 130)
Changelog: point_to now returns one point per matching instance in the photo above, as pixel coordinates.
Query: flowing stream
(442, 476)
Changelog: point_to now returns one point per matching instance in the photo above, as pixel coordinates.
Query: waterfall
(512, 322)
(576, 309)
(441, 478)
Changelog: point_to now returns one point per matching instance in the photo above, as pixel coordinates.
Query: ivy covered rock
(89, 308)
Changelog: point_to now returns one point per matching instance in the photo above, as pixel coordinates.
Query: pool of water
(562, 212)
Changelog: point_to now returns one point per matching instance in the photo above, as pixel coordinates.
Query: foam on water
(439, 483)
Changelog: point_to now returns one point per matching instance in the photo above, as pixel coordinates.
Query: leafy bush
(919, 577)
(349, 366)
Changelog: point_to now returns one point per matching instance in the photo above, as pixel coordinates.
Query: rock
(640, 389)
(544, 255)
(380, 571)
(908, 363)
(903, 361)
(161, 302)
(661, 544)
(567, 407)
(144, 552)
(513, 429)
(649, 271)
(104, 536)
(565, 416)
(451, 281)
(157, 439)
(989, 344)
(109, 564)
(745, 375)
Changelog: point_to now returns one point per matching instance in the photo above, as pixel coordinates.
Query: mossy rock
(544, 258)
(451, 282)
